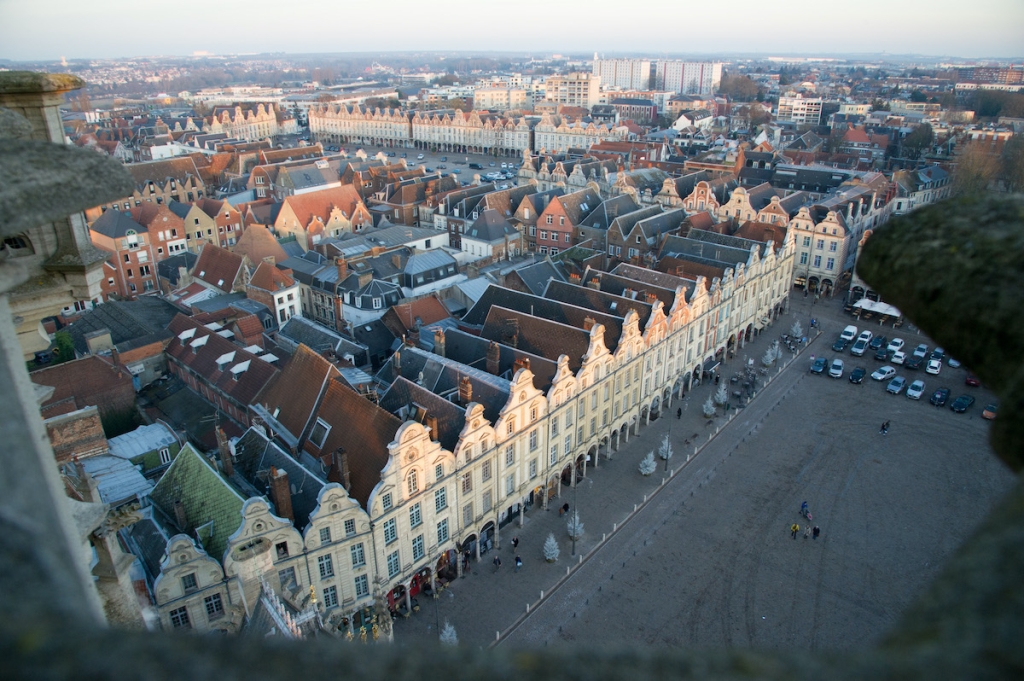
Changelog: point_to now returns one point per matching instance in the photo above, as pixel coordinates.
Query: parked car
(953, 363)
(899, 357)
(859, 347)
(839, 345)
(915, 390)
(857, 375)
(504, 165)
(878, 342)
(990, 412)
(938, 353)
(896, 385)
(405, 155)
(895, 345)
(934, 366)
(836, 370)
(865, 336)
(441, 166)
(819, 365)
(882, 355)
(491, 164)
(444, 159)
(419, 157)
(962, 404)
(940, 397)
(972, 380)
(849, 333)
(883, 373)
(921, 351)
(913, 363)
(457, 171)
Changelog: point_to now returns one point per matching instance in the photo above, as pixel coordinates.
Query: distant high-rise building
(799, 110)
(631, 74)
(688, 77)
(574, 89)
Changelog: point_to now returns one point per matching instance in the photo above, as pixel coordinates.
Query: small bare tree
(448, 635)
(709, 408)
(796, 330)
(574, 526)
(647, 465)
(721, 395)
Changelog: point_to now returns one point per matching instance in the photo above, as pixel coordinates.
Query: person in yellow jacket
(794, 528)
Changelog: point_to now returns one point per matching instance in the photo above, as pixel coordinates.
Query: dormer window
(318, 436)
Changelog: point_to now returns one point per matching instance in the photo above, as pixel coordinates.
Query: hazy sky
(49, 29)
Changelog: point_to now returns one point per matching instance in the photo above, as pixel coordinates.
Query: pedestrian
(807, 532)
(564, 509)
(679, 413)
(717, 378)
(515, 543)
(884, 430)
(519, 563)
(794, 528)
(816, 531)
(803, 508)
(497, 563)
(805, 293)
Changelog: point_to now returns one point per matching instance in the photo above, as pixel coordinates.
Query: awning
(711, 365)
(877, 307)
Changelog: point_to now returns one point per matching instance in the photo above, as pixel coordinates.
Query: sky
(75, 29)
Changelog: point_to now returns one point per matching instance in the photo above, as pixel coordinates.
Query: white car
(899, 357)
(915, 390)
(849, 333)
(836, 370)
(420, 157)
(865, 336)
(895, 345)
(883, 373)
(933, 367)
(921, 351)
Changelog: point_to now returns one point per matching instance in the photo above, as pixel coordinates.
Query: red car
(972, 381)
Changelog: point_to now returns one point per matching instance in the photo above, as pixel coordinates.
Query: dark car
(882, 355)
(878, 342)
(839, 345)
(940, 397)
(819, 366)
(444, 159)
(913, 362)
(972, 381)
(857, 375)
(405, 155)
(962, 404)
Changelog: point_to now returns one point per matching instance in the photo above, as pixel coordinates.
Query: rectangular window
(165, 455)
(510, 484)
(485, 471)
(390, 531)
(510, 455)
(543, 234)
(415, 516)
(350, 528)
(807, 241)
(442, 531)
(282, 550)
(358, 556)
(533, 468)
(179, 619)
(833, 246)
(362, 586)
(533, 440)
(325, 535)
(567, 237)
(549, 221)
(214, 607)
(568, 443)
(830, 263)
(286, 578)
(417, 548)
(440, 500)
(817, 261)
(467, 514)
(393, 565)
(803, 258)
(438, 472)
(385, 501)
(554, 426)
(326, 565)
(188, 582)
(485, 500)
(821, 244)
(467, 483)
(331, 597)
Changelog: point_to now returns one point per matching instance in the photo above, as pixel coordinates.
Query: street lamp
(575, 508)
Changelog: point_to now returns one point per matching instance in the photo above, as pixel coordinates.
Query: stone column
(408, 597)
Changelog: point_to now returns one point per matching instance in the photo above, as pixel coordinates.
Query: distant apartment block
(633, 74)
(574, 89)
(501, 98)
(687, 77)
(799, 110)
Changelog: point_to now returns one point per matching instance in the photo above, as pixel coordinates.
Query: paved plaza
(709, 561)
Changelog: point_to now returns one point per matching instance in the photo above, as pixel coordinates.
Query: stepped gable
(570, 313)
(537, 335)
(292, 397)
(362, 431)
(258, 243)
(451, 418)
(610, 304)
(178, 169)
(307, 207)
(472, 351)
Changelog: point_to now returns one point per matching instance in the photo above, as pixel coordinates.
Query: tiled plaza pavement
(709, 561)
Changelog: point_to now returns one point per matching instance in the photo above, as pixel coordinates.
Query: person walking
(515, 544)
(803, 509)
(794, 528)
(519, 563)
(497, 563)
(807, 532)
(816, 531)
(884, 430)
(679, 413)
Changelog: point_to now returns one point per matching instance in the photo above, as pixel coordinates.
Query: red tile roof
(400, 318)
(258, 243)
(320, 203)
(218, 267)
(297, 390)
(269, 278)
(92, 381)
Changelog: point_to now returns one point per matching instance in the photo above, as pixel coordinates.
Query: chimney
(180, 519)
(651, 297)
(574, 278)
(439, 342)
(224, 448)
(493, 358)
(398, 360)
(588, 323)
(414, 336)
(520, 363)
(346, 474)
(396, 260)
(269, 259)
(465, 391)
(431, 423)
(629, 293)
(595, 284)
(342, 266)
(281, 493)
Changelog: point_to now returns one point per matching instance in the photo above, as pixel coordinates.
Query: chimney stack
(180, 519)
(465, 391)
(281, 493)
(342, 266)
(226, 467)
(269, 259)
(588, 323)
(493, 358)
(398, 360)
(520, 363)
(651, 298)
(431, 423)
(595, 284)
(396, 260)
(439, 342)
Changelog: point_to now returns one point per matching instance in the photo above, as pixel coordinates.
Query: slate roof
(255, 453)
(579, 204)
(472, 351)
(506, 201)
(698, 250)
(762, 232)
(212, 506)
(655, 278)
(537, 335)
(147, 539)
(613, 305)
(168, 267)
(126, 321)
(179, 168)
(301, 331)
(293, 396)
(115, 224)
(450, 417)
(118, 481)
(536, 276)
(257, 243)
(619, 285)
(604, 214)
(491, 227)
(363, 430)
(218, 267)
(428, 260)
